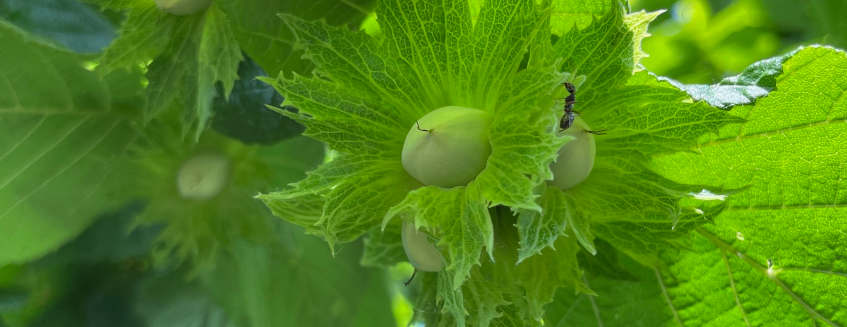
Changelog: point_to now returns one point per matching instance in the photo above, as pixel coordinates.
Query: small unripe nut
(420, 251)
(576, 158)
(203, 176)
(447, 147)
(183, 7)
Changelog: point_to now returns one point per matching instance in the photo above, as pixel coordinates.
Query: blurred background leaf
(106, 277)
(109, 274)
(702, 41)
(297, 282)
(64, 131)
(70, 23)
(89, 281)
(245, 115)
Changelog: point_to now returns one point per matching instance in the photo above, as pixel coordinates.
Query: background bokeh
(702, 41)
(107, 275)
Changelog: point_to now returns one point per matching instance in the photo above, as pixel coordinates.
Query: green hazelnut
(420, 251)
(203, 176)
(183, 7)
(576, 158)
(447, 147)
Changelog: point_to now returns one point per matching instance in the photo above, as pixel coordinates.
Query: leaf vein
(61, 171)
(734, 290)
(667, 296)
(771, 132)
(42, 154)
(720, 244)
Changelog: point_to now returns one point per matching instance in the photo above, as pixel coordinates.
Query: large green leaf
(754, 82)
(64, 135)
(776, 253)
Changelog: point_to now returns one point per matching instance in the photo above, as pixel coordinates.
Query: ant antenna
(415, 272)
(418, 123)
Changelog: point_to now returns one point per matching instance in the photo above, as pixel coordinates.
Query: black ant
(567, 120)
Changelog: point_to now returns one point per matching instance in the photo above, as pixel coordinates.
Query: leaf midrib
(721, 245)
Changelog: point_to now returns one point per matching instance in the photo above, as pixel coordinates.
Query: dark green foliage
(72, 24)
(245, 115)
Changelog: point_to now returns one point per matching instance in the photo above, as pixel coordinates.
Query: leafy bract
(638, 22)
(396, 85)
(641, 117)
(371, 91)
(776, 251)
(63, 135)
(262, 36)
(623, 202)
(195, 231)
(383, 248)
(538, 230)
(189, 55)
(500, 292)
(367, 92)
(567, 15)
(265, 38)
(462, 220)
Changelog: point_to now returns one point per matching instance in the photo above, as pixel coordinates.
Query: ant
(567, 120)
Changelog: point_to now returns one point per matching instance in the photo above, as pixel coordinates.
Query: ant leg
(597, 132)
(415, 272)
